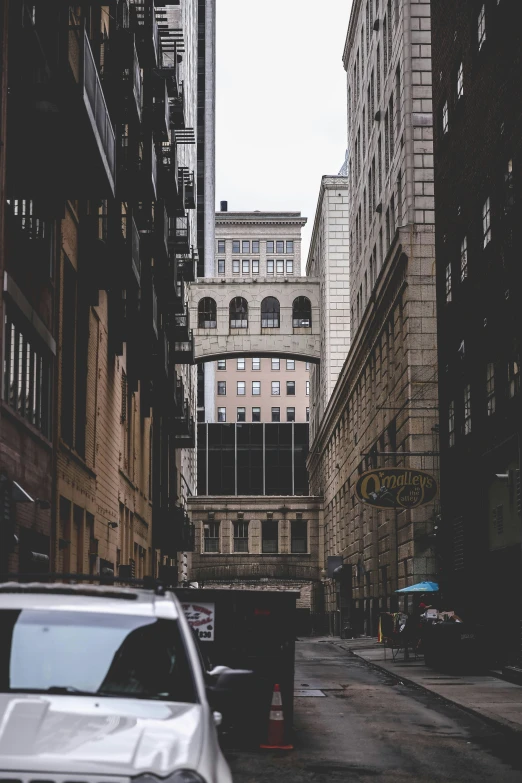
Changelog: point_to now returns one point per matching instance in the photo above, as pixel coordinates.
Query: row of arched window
(270, 313)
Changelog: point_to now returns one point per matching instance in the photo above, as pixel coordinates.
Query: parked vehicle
(105, 681)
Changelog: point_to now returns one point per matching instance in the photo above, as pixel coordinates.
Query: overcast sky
(281, 102)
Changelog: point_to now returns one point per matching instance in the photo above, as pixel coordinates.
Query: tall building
(98, 238)
(382, 412)
(250, 246)
(478, 156)
(328, 260)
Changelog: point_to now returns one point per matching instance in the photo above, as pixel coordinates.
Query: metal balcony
(124, 248)
(182, 428)
(187, 266)
(170, 183)
(137, 169)
(161, 110)
(96, 106)
(123, 77)
(29, 240)
(183, 352)
(188, 178)
(144, 24)
(179, 235)
(181, 328)
(177, 109)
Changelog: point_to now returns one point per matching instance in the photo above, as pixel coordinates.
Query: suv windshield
(86, 652)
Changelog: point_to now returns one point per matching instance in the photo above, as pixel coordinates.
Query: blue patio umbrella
(420, 587)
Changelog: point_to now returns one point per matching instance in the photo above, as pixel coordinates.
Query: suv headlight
(179, 776)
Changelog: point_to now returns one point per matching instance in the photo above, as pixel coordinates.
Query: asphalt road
(368, 727)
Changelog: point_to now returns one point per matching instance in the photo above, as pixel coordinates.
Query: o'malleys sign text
(396, 488)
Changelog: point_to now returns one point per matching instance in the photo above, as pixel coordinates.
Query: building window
(211, 536)
(235, 266)
(240, 536)
(28, 378)
(256, 414)
(222, 364)
(276, 388)
(460, 81)
(464, 259)
(241, 414)
(221, 245)
(481, 27)
(256, 364)
(451, 424)
(301, 313)
(241, 388)
(269, 246)
(236, 245)
(280, 246)
(246, 267)
(221, 266)
(270, 313)
(255, 267)
(448, 282)
(445, 118)
(238, 313)
(486, 222)
(467, 409)
(207, 313)
(222, 388)
(290, 246)
(270, 543)
(240, 364)
(299, 536)
(290, 267)
(245, 246)
(308, 414)
(255, 246)
(514, 377)
(308, 388)
(290, 414)
(490, 388)
(290, 364)
(256, 388)
(290, 388)
(276, 414)
(222, 414)
(276, 364)
(270, 267)
(280, 267)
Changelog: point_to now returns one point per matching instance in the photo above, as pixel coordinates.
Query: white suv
(102, 684)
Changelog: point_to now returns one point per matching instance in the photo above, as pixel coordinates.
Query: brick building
(98, 201)
(478, 157)
(383, 409)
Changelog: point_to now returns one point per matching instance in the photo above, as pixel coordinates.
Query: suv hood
(90, 735)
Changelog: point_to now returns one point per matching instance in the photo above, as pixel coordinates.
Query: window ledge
(20, 420)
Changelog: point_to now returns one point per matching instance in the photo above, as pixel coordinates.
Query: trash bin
(456, 648)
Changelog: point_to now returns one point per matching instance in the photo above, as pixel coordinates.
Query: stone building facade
(270, 543)
(383, 410)
(328, 261)
(258, 246)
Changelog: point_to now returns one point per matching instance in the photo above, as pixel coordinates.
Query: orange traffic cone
(276, 724)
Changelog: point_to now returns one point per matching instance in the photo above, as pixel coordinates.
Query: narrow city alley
(363, 725)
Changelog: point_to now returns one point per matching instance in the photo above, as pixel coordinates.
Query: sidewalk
(490, 697)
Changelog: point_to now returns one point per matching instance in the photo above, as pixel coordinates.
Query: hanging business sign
(201, 618)
(396, 488)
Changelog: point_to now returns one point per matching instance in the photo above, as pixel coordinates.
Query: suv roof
(101, 598)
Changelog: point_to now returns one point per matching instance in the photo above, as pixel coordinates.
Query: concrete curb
(493, 722)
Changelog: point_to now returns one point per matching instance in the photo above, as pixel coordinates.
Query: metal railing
(95, 98)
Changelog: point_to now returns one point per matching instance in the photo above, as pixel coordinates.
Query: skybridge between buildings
(259, 317)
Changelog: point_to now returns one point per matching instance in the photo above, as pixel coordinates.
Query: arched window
(301, 312)
(270, 312)
(207, 318)
(238, 313)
